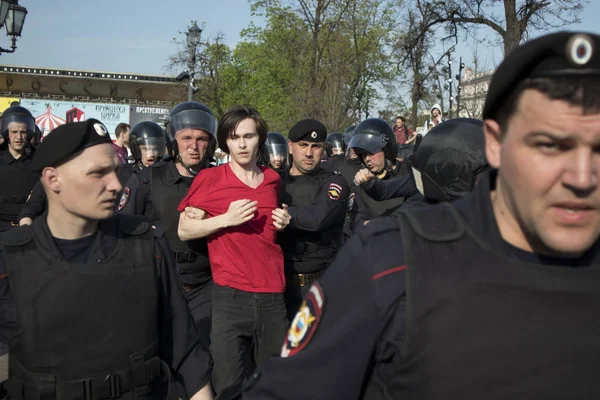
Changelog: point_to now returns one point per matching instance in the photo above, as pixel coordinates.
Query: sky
(135, 36)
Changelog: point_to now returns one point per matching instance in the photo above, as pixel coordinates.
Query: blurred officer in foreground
(91, 304)
(17, 127)
(317, 201)
(157, 191)
(494, 296)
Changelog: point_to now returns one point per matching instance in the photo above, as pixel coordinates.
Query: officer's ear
(289, 146)
(493, 142)
(50, 179)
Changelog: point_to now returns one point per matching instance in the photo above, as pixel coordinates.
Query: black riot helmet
(20, 115)
(335, 144)
(445, 164)
(276, 151)
(191, 115)
(147, 142)
(374, 135)
(348, 133)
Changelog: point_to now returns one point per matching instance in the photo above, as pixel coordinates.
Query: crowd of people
(216, 259)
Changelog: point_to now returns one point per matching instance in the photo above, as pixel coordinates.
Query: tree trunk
(512, 36)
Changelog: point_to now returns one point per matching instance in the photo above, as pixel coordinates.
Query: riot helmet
(191, 115)
(374, 135)
(18, 115)
(147, 143)
(348, 133)
(276, 151)
(446, 162)
(335, 144)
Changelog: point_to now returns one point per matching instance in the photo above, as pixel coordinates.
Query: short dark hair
(401, 117)
(581, 91)
(231, 119)
(121, 128)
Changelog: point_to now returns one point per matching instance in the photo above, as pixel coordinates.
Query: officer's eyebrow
(549, 135)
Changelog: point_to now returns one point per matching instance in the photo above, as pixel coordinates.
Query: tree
(512, 20)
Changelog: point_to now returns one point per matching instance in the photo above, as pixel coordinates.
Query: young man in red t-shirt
(236, 207)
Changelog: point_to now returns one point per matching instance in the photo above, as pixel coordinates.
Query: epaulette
(17, 236)
(133, 224)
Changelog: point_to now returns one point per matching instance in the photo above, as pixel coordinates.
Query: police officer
(91, 303)
(493, 296)
(147, 144)
(317, 201)
(276, 153)
(375, 143)
(17, 127)
(335, 144)
(157, 191)
(444, 167)
(347, 164)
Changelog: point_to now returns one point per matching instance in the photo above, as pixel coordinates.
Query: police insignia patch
(124, 198)
(313, 135)
(305, 323)
(351, 200)
(580, 49)
(334, 191)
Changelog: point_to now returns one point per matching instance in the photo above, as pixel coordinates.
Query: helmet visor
(367, 143)
(192, 119)
(18, 122)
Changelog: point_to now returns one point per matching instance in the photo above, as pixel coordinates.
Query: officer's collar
(104, 245)
(314, 172)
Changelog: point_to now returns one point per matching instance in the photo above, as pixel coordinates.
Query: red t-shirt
(244, 257)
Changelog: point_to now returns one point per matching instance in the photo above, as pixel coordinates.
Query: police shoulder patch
(124, 198)
(305, 323)
(334, 191)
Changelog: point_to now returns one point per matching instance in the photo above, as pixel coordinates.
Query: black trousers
(199, 302)
(247, 328)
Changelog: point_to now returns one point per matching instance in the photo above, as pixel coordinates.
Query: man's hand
(240, 212)
(363, 176)
(193, 213)
(25, 221)
(281, 217)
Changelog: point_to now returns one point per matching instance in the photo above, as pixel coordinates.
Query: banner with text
(144, 113)
(50, 114)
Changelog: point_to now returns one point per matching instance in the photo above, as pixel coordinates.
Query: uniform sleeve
(391, 188)
(135, 198)
(329, 207)
(332, 357)
(36, 203)
(361, 215)
(181, 347)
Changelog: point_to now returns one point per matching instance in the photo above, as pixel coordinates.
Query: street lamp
(193, 39)
(12, 16)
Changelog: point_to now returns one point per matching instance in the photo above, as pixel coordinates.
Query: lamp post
(459, 87)
(450, 85)
(12, 16)
(193, 38)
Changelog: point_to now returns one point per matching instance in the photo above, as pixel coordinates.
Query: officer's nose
(113, 184)
(581, 174)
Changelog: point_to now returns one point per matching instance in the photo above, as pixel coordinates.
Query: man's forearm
(190, 229)
(204, 394)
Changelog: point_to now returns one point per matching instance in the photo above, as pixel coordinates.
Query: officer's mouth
(150, 161)
(574, 212)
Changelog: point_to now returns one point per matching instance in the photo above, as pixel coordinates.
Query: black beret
(67, 140)
(555, 55)
(309, 130)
